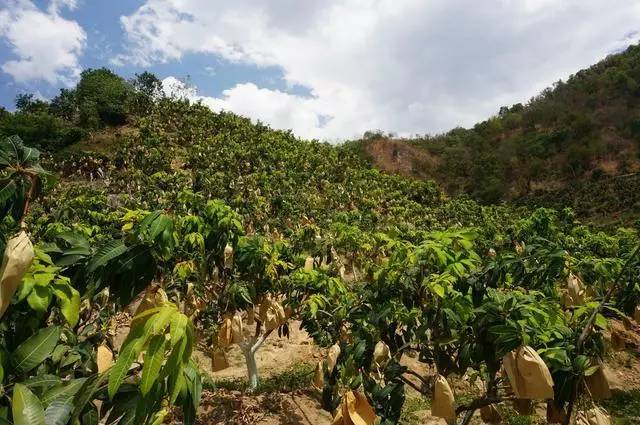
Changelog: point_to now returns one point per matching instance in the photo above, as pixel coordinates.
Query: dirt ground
(280, 355)
(303, 406)
(276, 355)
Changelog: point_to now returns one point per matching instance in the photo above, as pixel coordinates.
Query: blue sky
(105, 39)
(329, 70)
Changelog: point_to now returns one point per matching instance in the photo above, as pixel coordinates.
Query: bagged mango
(354, 410)
(345, 334)
(104, 358)
(237, 329)
(308, 264)
(528, 375)
(442, 404)
(381, 355)
(16, 261)
(228, 256)
(332, 357)
(598, 384)
(636, 314)
(575, 290)
(272, 314)
(219, 360)
(318, 377)
(225, 333)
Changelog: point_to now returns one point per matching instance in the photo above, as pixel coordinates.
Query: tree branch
(25, 211)
(260, 341)
(417, 375)
(482, 402)
(412, 385)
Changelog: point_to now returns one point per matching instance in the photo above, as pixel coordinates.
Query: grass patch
(511, 417)
(412, 405)
(296, 378)
(624, 407)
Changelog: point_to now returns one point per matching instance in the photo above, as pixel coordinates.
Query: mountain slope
(586, 127)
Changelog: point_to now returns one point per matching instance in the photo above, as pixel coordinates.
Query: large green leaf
(87, 393)
(178, 328)
(42, 381)
(65, 392)
(39, 298)
(26, 408)
(69, 299)
(36, 349)
(129, 352)
(106, 253)
(124, 407)
(59, 411)
(90, 417)
(153, 359)
(7, 191)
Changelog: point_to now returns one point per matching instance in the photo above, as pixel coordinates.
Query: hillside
(584, 128)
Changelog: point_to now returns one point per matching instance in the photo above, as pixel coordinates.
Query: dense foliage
(225, 231)
(585, 126)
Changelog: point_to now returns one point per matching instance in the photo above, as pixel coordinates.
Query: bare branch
(260, 341)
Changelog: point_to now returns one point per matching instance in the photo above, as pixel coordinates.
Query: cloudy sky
(326, 69)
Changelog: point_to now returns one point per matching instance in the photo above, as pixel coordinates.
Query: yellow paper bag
(16, 261)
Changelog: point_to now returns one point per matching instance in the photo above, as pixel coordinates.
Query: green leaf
(25, 288)
(90, 417)
(153, 359)
(87, 393)
(178, 327)
(158, 417)
(601, 322)
(7, 192)
(36, 349)
(69, 299)
(437, 289)
(26, 408)
(106, 253)
(129, 352)
(64, 392)
(40, 298)
(591, 370)
(58, 412)
(195, 383)
(175, 358)
(42, 381)
(157, 323)
(179, 385)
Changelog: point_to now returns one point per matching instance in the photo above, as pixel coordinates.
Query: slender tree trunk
(249, 348)
(252, 367)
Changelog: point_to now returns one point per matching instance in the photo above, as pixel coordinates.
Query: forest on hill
(142, 233)
(585, 129)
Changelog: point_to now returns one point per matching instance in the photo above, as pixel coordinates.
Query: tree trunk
(252, 367)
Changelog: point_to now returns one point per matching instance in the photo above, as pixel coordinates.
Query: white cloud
(56, 5)
(305, 116)
(46, 45)
(408, 66)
